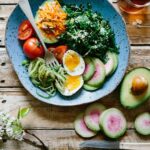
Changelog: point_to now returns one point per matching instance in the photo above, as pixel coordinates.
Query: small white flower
(10, 127)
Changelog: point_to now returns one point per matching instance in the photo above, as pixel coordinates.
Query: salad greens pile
(87, 32)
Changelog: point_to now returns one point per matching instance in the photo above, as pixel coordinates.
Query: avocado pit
(139, 85)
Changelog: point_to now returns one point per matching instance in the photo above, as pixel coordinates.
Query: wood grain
(54, 125)
(52, 117)
(69, 140)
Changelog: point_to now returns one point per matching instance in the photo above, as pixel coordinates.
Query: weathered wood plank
(139, 57)
(52, 117)
(67, 140)
(137, 35)
(8, 1)
(7, 75)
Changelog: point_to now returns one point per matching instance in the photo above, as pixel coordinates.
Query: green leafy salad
(87, 32)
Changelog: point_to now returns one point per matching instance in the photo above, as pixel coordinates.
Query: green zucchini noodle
(43, 77)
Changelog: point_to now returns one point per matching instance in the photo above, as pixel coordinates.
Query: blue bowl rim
(82, 103)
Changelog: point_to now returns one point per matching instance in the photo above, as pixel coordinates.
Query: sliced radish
(109, 66)
(142, 124)
(115, 62)
(98, 78)
(81, 128)
(89, 88)
(89, 69)
(92, 115)
(113, 123)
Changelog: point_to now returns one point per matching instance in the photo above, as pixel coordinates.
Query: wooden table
(54, 125)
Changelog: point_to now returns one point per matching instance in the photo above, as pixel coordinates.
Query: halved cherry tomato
(25, 30)
(33, 49)
(59, 52)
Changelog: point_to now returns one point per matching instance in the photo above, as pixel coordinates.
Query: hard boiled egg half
(71, 85)
(73, 63)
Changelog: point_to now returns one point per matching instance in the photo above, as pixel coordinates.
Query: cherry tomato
(25, 30)
(33, 49)
(52, 48)
(59, 52)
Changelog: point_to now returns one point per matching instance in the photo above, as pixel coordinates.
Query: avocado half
(48, 40)
(127, 98)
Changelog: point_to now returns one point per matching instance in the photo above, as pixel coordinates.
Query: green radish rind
(92, 124)
(45, 39)
(127, 99)
(87, 75)
(89, 88)
(109, 66)
(83, 131)
(103, 121)
(140, 125)
(99, 80)
(115, 56)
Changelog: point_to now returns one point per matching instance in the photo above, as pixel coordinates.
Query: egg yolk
(72, 60)
(72, 82)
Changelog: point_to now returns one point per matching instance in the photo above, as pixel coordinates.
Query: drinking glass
(133, 6)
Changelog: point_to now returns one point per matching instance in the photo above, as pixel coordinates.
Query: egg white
(66, 92)
(79, 69)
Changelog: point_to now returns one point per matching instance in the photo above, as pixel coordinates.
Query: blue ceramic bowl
(16, 54)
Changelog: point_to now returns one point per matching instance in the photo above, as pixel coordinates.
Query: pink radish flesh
(95, 116)
(97, 72)
(147, 122)
(87, 68)
(114, 123)
(98, 78)
(108, 66)
(83, 126)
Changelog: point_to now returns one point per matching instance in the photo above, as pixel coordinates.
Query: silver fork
(49, 57)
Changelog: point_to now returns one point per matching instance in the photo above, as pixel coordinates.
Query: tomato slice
(59, 52)
(25, 30)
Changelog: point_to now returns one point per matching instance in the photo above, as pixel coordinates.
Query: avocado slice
(48, 40)
(127, 97)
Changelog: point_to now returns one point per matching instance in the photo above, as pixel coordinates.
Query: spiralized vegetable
(44, 77)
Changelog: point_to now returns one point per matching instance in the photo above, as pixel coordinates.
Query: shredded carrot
(52, 19)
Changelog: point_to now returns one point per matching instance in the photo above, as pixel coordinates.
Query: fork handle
(25, 7)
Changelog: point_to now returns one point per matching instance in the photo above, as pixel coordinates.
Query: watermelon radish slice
(109, 66)
(89, 69)
(113, 123)
(115, 62)
(92, 115)
(81, 128)
(142, 124)
(98, 78)
(89, 88)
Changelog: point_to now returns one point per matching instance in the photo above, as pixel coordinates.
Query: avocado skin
(122, 90)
